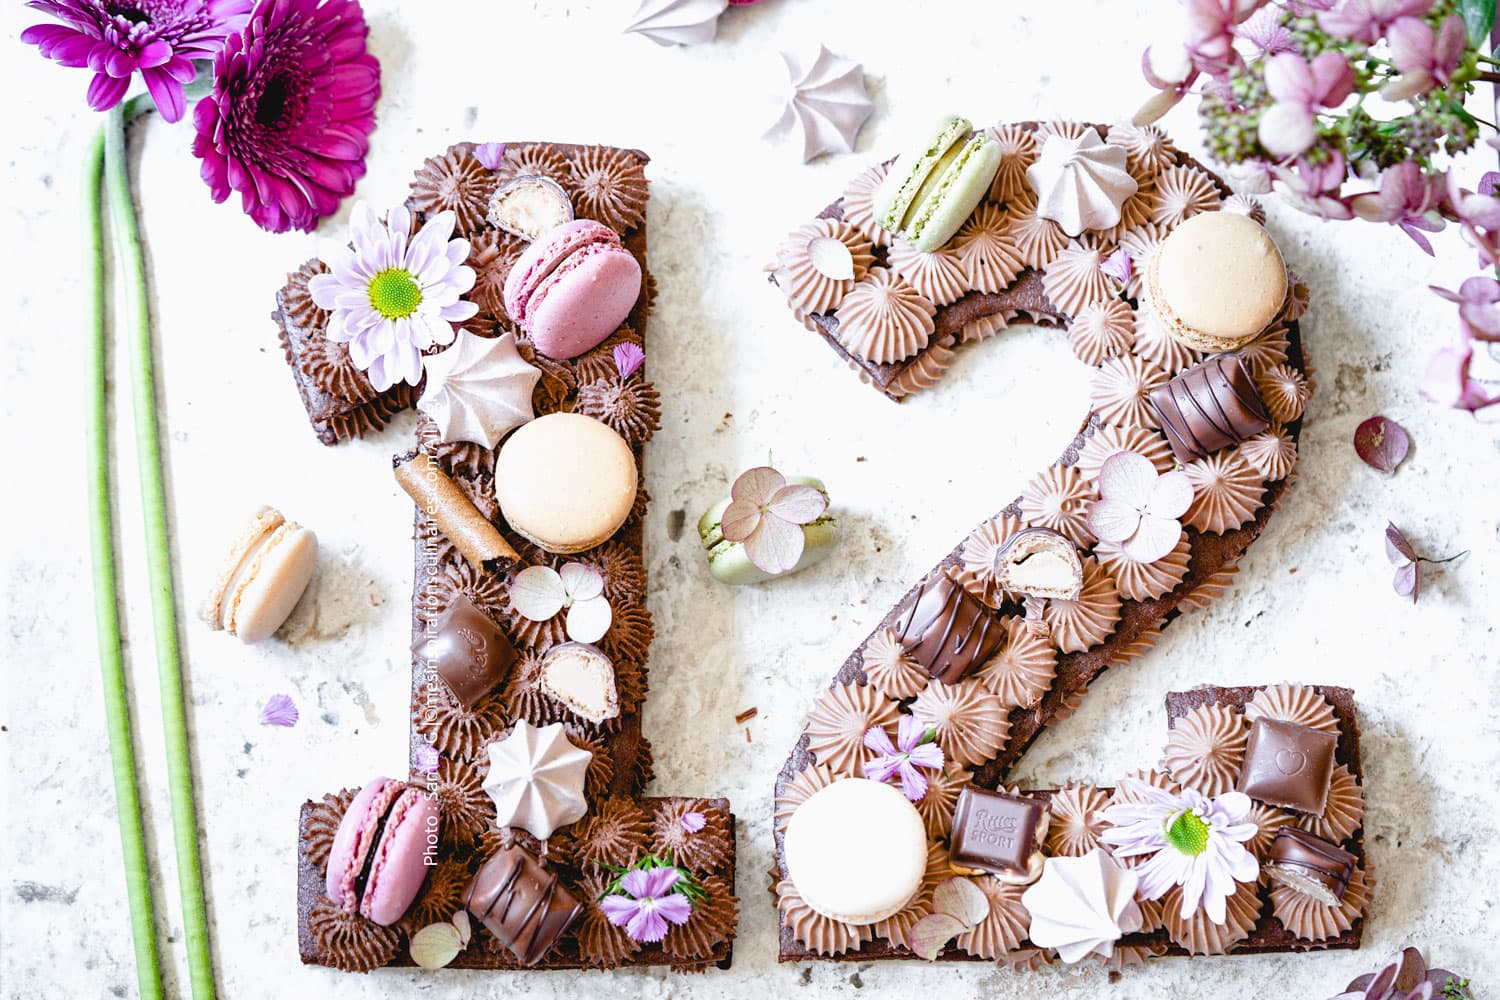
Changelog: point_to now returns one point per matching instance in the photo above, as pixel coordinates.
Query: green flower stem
(106, 599)
(159, 563)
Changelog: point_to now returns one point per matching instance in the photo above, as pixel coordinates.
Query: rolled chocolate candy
(948, 631)
(440, 498)
(464, 648)
(522, 903)
(1288, 765)
(1310, 865)
(997, 833)
(1212, 404)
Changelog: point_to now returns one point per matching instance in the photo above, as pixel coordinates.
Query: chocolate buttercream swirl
(327, 366)
(441, 896)
(1206, 748)
(971, 724)
(534, 159)
(496, 838)
(466, 807)
(887, 667)
(1121, 391)
(1004, 927)
(1152, 777)
(297, 302)
(1138, 581)
(1226, 492)
(1077, 823)
(1102, 330)
(937, 805)
(1200, 936)
(985, 327)
(454, 182)
(1140, 242)
(1125, 956)
(979, 560)
(492, 253)
(1344, 812)
(1153, 915)
(711, 925)
(1135, 212)
(986, 251)
(1058, 499)
(601, 944)
(883, 319)
(1298, 298)
(1107, 441)
(632, 407)
(1039, 240)
(1073, 278)
(1246, 205)
(629, 637)
(1087, 622)
(615, 832)
(522, 695)
(859, 204)
(1181, 193)
(837, 724)
(1017, 152)
(808, 289)
(817, 932)
(322, 825)
(558, 377)
(1294, 703)
(1022, 672)
(1062, 129)
(348, 941)
(798, 789)
(610, 187)
(924, 370)
(453, 730)
(894, 928)
(1147, 149)
(1026, 959)
(1156, 345)
(704, 850)
(486, 590)
(458, 458)
(937, 276)
(599, 777)
(1285, 391)
(600, 361)
(1265, 352)
(1307, 919)
(1272, 453)
(622, 569)
(1268, 822)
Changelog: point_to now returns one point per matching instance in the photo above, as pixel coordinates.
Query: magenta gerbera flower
(118, 38)
(288, 124)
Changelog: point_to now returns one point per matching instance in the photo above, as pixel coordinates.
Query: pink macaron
(572, 288)
(385, 843)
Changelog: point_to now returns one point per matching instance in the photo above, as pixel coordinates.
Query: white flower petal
(537, 593)
(581, 581)
(1154, 539)
(1127, 476)
(1113, 520)
(1171, 495)
(589, 620)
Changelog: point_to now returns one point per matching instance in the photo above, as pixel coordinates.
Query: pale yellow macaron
(856, 850)
(262, 578)
(1217, 281)
(565, 481)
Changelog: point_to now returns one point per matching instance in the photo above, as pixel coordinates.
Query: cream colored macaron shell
(262, 578)
(1217, 281)
(565, 481)
(856, 851)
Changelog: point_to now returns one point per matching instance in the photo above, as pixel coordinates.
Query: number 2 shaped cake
(896, 835)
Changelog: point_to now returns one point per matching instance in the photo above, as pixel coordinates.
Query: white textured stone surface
(740, 380)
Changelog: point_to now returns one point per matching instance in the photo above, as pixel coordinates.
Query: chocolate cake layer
(621, 766)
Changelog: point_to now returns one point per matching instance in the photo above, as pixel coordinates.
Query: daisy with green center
(1193, 841)
(391, 295)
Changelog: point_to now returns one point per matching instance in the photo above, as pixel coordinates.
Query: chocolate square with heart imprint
(1288, 765)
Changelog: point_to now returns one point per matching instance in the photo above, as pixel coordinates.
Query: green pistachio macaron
(931, 189)
(727, 561)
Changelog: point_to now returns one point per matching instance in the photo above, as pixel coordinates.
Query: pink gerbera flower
(646, 903)
(157, 38)
(288, 123)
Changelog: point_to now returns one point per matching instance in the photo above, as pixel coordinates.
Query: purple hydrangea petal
(279, 710)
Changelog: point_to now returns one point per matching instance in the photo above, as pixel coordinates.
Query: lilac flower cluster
(1288, 99)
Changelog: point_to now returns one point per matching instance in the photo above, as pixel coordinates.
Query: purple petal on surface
(658, 882)
(425, 759)
(279, 710)
(1397, 549)
(913, 782)
(877, 740)
(1407, 581)
(909, 732)
(647, 925)
(693, 822)
(1381, 443)
(489, 154)
(628, 358)
(676, 908)
(619, 909)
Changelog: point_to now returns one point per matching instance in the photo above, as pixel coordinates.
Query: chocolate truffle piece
(1212, 404)
(947, 631)
(1288, 765)
(1040, 562)
(994, 832)
(521, 903)
(467, 651)
(1310, 865)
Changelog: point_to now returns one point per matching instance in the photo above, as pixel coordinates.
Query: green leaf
(1479, 16)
